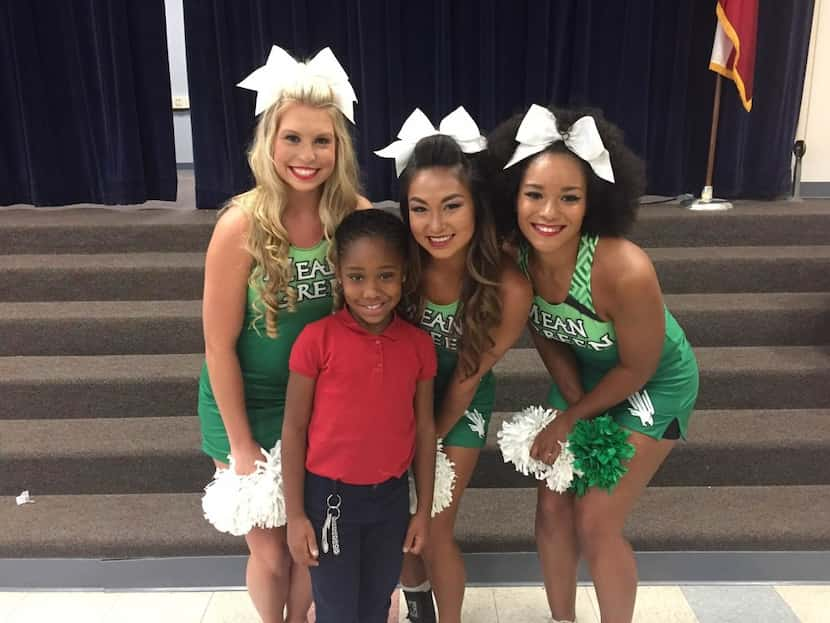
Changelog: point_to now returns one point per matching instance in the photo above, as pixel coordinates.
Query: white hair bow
(458, 125)
(538, 130)
(281, 71)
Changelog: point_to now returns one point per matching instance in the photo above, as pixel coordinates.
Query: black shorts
(673, 431)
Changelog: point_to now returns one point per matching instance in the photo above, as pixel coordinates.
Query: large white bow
(538, 130)
(281, 71)
(458, 125)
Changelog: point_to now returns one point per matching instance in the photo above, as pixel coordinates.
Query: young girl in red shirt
(358, 410)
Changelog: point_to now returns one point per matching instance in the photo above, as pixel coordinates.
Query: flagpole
(706, 201)
(713, 138)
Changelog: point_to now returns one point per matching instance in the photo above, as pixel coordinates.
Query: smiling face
(551, 202)
(371, 274)
(304, 147)
(441, 212)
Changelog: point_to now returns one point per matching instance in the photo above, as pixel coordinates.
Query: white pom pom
(444, 480)
(444, 483)
(236, 504)
(517, 435)
(561, 474)
(413, 495)
(516, 438)
(224, 486)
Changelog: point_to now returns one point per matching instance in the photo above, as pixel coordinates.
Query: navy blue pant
(355, 586)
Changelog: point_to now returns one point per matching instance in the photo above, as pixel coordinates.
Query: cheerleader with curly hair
(567, 188)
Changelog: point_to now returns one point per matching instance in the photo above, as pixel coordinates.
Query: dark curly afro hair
(610, 208)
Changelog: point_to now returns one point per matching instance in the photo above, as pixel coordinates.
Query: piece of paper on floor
(24, 498)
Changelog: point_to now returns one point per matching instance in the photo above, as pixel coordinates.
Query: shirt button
(377, 342)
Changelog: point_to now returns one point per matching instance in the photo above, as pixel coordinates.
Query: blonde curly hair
(267, 239)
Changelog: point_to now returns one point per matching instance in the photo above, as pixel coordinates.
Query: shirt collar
(395, 330)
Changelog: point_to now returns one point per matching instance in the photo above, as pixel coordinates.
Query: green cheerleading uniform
(669, 395)
(471, 430)
(264, 360)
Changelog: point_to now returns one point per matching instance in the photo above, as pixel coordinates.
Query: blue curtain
(644, 62)
(86, 105)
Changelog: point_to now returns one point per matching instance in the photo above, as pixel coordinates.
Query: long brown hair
(480, 308)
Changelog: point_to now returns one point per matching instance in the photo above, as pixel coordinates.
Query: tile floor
(655, 604)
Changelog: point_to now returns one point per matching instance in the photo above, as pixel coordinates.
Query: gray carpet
(100, 348)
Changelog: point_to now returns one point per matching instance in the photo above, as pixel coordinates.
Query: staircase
(100, 349)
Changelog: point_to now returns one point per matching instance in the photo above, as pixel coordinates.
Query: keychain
(333, 502)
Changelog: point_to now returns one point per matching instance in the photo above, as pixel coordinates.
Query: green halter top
(441, 323)
(575, 321)
(264, 360)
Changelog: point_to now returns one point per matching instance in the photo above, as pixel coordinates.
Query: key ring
(333, 502)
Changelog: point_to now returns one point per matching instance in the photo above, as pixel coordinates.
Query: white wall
(814, 121)
(178, 78)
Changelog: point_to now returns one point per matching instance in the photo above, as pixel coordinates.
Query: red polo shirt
(362, 428)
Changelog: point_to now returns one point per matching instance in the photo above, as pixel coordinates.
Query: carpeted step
(779, 377)
(103, 456)
(753, 223)
(669, 518)
(128, 277)
(162, 455)
(102, 386)
(171, 327)
(742, 269)
(102, 230)
(491, 520)
(101, 328)
(165, 276)
(757, 319)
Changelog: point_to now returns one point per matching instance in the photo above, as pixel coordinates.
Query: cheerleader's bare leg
(558, 548)
(600, 517)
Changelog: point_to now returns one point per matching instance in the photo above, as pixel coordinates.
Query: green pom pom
(600, 446)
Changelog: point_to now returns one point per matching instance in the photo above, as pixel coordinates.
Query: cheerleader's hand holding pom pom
(593, 455)
(235, 503)
(245, 456)
(551, 439)
(517, 438)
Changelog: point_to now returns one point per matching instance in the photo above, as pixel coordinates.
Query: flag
(733, 53)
